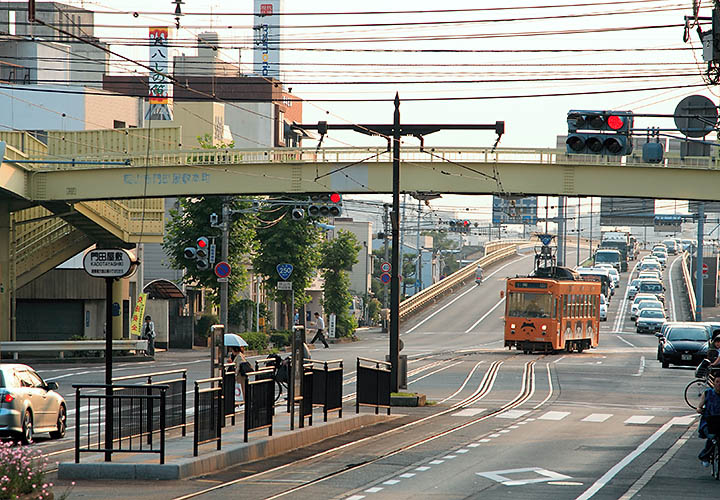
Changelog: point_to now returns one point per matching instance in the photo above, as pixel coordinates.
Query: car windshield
(529, 305)
(651, 287)
(652, 313)
(640, 297)
(688, 333)
(649, 304)
(607, 257)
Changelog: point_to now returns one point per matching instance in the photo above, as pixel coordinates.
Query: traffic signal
(325, 205)
(297, 213)
(202, 250)
(453, 226)
(599, 132)
(466, 226)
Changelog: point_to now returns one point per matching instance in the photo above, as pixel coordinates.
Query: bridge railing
(687, 278)
(495, 251)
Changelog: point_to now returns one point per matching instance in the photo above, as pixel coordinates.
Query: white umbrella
(233, 340)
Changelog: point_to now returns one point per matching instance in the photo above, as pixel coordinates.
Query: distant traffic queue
(552, 314)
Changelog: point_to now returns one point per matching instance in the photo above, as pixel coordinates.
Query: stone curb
(234, 454)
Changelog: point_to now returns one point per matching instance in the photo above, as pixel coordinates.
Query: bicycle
(713, 431)
(280, 372)
(704, 380)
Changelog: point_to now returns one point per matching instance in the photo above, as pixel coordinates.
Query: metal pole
(224, 251)
(561, 231)
(395, 276)
(591, 227)
(418, 266)
(699, 262)
(577, 257)
(386, 220)
(108, 370)
(257, 305)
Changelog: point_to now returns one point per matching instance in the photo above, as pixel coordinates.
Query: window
(530, 305)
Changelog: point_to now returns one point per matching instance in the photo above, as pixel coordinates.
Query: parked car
(603, 308)
(29, 405)
(682, 344)
(650, 320)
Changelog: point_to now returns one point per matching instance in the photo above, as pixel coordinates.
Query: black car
(683, 344)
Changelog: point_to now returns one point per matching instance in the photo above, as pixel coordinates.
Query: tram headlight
(544, 327)
(512, 326)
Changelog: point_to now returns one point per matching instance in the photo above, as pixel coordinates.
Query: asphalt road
(606, 423)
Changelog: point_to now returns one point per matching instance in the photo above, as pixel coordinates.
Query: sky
(519, 61)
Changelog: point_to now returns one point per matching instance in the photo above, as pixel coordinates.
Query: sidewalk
(180, 462)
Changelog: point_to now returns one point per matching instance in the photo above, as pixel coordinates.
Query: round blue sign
(385, 277)
(222, 270)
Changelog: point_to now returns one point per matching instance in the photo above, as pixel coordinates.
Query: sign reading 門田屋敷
(109, 263)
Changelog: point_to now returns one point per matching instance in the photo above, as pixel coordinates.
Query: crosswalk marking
(639, 419)
(513, 414)
(468, 412)
(554, 415)
(597, 417)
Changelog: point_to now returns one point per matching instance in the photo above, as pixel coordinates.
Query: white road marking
(464, 293)
(628, 343)
(449, 457)
(504, 431)
(437, 462)
(462, 451)
(485, 315)
(422, 469)
(374, 489)
(639, 419)
(407, 475)
(473, 445)
(391, 482)
(513, 414)
(500, 476)
(597, 417)
(355, 497)
(484, 441)
(559, 359)
(468, 412)
(617, 468)
(495, 435)
(554, 415)
(641, 369)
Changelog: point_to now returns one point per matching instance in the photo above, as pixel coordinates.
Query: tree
(282, 240)
(191, 221)
(338, 257)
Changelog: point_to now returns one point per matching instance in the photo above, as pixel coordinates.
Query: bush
(281, 338)
(257, 341)
(202, 326)
(346, 325)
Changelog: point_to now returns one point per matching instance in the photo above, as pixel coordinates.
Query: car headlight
(669, 347)
(704, 348)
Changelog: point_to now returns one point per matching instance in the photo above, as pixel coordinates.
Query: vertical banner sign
(159, 88)
(138, 314)
(266, 52)
(332, 325)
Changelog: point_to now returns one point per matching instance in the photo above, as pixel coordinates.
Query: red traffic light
(615, 122)
(202, 242)
(335, 197)
(466, 223)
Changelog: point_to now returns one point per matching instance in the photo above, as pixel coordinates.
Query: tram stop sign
(222, 269)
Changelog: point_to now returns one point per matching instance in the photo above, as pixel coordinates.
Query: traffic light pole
(224, 255)
(393, 133)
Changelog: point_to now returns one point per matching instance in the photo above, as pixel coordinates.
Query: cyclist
(713, 350)
(709, 407)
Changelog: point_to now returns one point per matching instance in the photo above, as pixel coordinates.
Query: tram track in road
(527, 391)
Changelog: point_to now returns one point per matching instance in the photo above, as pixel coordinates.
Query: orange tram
(552, 314)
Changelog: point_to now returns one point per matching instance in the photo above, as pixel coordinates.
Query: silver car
(28, 404)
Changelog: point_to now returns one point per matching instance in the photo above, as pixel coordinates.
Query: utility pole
(224, 253)
(577, 257)
(386, 221)
(393, 133)
(561, 231)
(699, 262)
(418, 265)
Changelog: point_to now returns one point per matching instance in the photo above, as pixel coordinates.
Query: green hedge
(257, 341)
(281, 338)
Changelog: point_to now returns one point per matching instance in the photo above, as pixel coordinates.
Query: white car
(661, 256)
(639, 297)
(632, 288)
(650, 275)
(643, 305)
(615, 276)
(603, 308)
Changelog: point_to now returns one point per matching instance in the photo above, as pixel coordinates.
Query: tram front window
(529, 305)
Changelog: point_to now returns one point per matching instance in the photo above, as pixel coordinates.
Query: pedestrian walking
(320, 333)
(149, 335)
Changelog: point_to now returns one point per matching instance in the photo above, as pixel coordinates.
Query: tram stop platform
(181, 464)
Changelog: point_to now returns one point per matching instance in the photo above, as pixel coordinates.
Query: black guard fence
(229, 381)
(373, 384)
(306, 405)
(327, 386)
(209, 413)
(259, 401)
(132, 428)
(176, 397)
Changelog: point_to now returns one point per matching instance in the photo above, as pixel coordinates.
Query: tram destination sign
(109, 263)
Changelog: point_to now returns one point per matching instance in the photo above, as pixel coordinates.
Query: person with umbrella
(236, 346)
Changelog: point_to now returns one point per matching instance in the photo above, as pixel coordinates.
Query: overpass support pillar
(5, 288)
